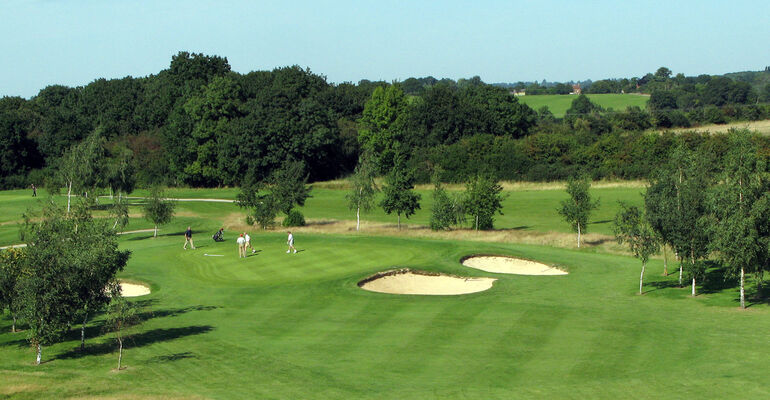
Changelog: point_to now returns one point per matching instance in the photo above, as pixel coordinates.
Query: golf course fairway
(277, 325)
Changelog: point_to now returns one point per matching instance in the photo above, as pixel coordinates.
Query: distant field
(558, 104)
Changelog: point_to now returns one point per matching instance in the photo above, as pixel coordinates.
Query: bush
(446, 211)
(294, 218)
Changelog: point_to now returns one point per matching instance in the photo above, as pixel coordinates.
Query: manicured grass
(279, 325)
(297, 326)
(559, 104)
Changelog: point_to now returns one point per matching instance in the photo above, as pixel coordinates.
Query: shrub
(294, 218)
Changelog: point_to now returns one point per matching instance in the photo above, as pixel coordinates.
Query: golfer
(290, 241)
(248, 243)
(241, 246)
(188, 238)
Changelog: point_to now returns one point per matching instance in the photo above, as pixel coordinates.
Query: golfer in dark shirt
(188, 238)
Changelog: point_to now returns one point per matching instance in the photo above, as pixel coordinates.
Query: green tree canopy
(158, 209)
(577, 209)
(482, 200)
(398, 194)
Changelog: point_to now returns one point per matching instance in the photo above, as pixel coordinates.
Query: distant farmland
(558, 104)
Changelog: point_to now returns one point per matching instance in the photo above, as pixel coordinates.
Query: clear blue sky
(70, 42)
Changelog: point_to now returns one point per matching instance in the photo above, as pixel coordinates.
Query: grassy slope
(296, 326)
(559, 104)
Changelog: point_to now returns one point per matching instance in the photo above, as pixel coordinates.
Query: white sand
(133, 290)
(408, 282)
(510, 265)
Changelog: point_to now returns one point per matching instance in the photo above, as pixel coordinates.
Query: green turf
(528, 210)
(559, 104)
(277, 325)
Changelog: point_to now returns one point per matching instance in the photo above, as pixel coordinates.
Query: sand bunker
(510, 265)
(133, 290)
(405, 281)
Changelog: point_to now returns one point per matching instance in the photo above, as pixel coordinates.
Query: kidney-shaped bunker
(510, 265)
(406, 281)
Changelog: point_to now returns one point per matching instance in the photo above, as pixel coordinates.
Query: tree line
(197, 123)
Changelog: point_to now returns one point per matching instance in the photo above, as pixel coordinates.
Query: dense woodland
(197, 123)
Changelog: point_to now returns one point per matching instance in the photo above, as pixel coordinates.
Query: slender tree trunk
(69, 195)
(399, 221)
(358, 218)
(477, 223)
(156, 231)
(680, 273)
(578, 240)
(120, 352)
(743, 292)
(693, 286)
(665, 261)
(641, 277)
(83, 333)
(115, 224)
(13, 327)
(39, 354)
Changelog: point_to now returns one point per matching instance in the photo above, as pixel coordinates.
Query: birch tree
(739, 205)
(122, 315)
(361, 195)
(11, 269)
(632, 229)
(77, 169)
(483, 199)
(158, 209)
(96, 263)
(447, 210)
(577, 209)
(48, 300)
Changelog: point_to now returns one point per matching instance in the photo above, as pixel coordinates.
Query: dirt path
(13, 246)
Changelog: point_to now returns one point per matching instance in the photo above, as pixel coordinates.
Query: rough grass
(761, 127)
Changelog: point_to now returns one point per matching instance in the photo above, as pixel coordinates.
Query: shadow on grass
(717, 279)
(138, 340)
(604, 221)
(20, 342)
(173, 312)
(757, 299)
(320, 223)
(173, 357)
(598, 241)
(139, 236)
(521, 228)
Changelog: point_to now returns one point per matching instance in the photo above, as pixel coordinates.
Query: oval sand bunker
(405, 281)
(510, 265)
(133, 290)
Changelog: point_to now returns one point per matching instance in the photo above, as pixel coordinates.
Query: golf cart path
(14, 246)
(173, 199)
